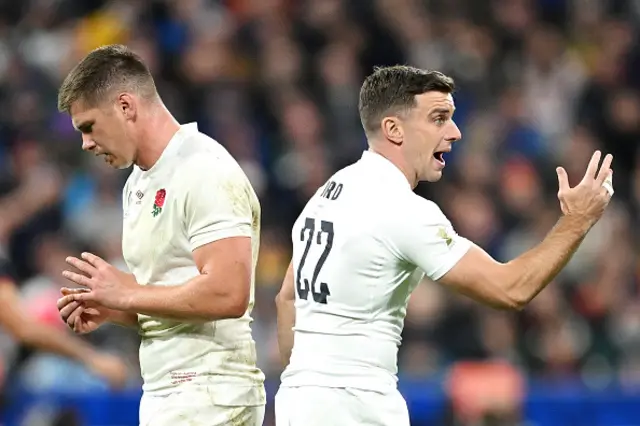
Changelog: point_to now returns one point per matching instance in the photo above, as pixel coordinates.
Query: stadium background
(540, 83)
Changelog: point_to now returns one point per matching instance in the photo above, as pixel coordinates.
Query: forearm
(530, 273)
(199, 299)
(286, 314)
(49, 339)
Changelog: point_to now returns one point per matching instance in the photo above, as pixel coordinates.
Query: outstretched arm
(461, 265)
(516, 283)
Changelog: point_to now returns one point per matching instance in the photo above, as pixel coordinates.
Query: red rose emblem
(159, 202)
(160, 196)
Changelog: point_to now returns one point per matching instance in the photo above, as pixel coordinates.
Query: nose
(87, 143)
(453, 132)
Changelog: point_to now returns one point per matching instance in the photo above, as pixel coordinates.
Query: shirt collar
(386, 167)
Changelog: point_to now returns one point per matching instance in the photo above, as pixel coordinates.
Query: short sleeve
(218, 201)
(425, 237)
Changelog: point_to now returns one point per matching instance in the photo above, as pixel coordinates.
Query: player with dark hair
(365, 240)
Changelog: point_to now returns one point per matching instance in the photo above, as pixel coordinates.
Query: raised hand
(590, 197)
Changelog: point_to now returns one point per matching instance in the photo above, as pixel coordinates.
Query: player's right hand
(587, 200)
(111, 368)
(81, 317)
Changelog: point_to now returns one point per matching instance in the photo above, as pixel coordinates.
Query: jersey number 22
(303, 285)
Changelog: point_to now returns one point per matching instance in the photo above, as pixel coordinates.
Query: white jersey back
(360, 246)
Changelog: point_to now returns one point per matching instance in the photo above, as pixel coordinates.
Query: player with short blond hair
(190, 238)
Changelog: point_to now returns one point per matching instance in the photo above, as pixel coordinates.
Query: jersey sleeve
(217, 201)
(425, 237)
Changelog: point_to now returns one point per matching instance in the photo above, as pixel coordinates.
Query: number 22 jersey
(360, 246)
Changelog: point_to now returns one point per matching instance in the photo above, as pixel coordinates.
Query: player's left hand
(108, 286)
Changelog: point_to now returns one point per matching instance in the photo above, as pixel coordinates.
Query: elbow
(508, 297)
(283, 300)
(504, 298)
(238, 303)
(513, 299)
(513, 303)
(238, 309)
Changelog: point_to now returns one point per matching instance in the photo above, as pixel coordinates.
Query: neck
(395, 156)
(157, 130)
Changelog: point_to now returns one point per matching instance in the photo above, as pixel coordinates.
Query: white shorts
(195, 408)
(322, 406)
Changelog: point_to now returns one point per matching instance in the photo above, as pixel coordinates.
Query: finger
(563, 180)
(66, 290)
(592, 168)
(78, 279)
(94, 260)
(64, 301)
(605, 169)
(75, 319)
(606, 186)
(66, 311)
(84, 297)
(81, 265)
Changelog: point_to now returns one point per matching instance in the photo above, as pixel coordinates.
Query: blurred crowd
(541, 83)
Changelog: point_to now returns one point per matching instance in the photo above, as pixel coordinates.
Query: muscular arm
(286, 316)
(31, 333)
(220, 291)
(514, 284)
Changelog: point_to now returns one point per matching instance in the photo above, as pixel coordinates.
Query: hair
(101, 72)
(392, 90)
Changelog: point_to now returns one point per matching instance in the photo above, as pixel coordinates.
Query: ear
(392, 130)
(127, 105)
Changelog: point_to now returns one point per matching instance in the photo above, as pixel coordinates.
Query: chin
(117, 163)
(433, 176)
(122, 166)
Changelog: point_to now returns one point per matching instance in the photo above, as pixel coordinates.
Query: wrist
(129, 300)
(577, 224)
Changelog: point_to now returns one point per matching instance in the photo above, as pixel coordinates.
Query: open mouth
(439, 156)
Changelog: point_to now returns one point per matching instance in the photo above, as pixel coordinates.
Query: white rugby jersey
(360, 246)
(195, 194)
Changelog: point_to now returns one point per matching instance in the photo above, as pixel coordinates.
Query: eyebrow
(83, 126)
(441, 110)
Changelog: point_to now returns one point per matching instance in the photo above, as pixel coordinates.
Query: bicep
(229, 260)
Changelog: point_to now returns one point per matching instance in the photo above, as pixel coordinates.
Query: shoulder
(203, 157)
(409, 213)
